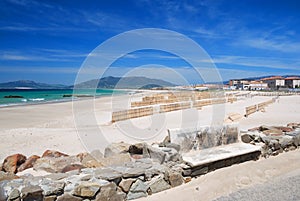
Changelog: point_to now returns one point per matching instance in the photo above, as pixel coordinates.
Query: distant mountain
(27, 84)
(125, 83)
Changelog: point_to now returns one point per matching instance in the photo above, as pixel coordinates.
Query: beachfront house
(274, 82)
(258, 85)
(292, 82)
(239, 84)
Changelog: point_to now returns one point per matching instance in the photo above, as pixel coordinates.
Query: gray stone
(30, 193)
(274, 145)
(97, 154)
(139, 186)
(52, 187)
(175, 179)
(174, 146)
(125, 184)
(86, 189)
(107, 174)
(137, 190)
(246, 138)
(14, 194)
(154, 153)
(68, 197)
(54, 165)
(116, 149)
(109, 193)
(158, 184)
(91, 162)
(286, 141)
(133, 196)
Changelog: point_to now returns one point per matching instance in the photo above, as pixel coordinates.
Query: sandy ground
(33, 129)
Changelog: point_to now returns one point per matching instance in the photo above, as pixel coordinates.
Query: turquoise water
(35, 96)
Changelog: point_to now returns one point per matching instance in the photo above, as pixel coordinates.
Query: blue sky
(47, 41)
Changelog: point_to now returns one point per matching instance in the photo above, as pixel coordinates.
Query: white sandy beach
(33, 129)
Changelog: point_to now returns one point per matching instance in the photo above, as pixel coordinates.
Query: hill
(125, 83)
(27, 84)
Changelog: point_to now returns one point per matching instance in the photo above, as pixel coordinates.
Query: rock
(72, 167)
(286, 141)
(50, 198)
(136, 148)
(171, 154)
(53, 153)
(68, 197)
(116, 149)
(109, 193)
(246, 138)
(7, 176)
(187, 179)
(125, 184)
(158, 184)
(52, 187)
(90, 162)
(117, 159)
(86, 189)
(14, 195)
(54, 165)
(12, 163)
(28, 163)
(174, 146)
(274, 145)
(264, 128)
(154, 153)
(30, 193)
(284, 129)
(273, 132)
(107, 174)
(138, 189)
(97, 154)
(254, 129)
(293, 125)
(175, 179)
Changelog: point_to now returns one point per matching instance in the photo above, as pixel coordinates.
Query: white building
(292, 82)
(274, 82)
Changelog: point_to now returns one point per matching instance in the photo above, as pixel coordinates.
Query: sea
(12, 97)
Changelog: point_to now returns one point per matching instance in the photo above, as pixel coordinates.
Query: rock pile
(274, 139)
(123, 172)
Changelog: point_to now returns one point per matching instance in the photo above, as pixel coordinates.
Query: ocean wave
(36, 99)
(24, 100)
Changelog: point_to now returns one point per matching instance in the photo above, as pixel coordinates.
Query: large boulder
(52, 187)
(13, 162)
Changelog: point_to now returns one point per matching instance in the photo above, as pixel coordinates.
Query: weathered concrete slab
(208, 156)
(204, 137)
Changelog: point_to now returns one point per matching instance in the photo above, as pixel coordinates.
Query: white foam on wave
(36, 99)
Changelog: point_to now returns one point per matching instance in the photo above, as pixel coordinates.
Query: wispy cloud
(41, 69)
(266, 62)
